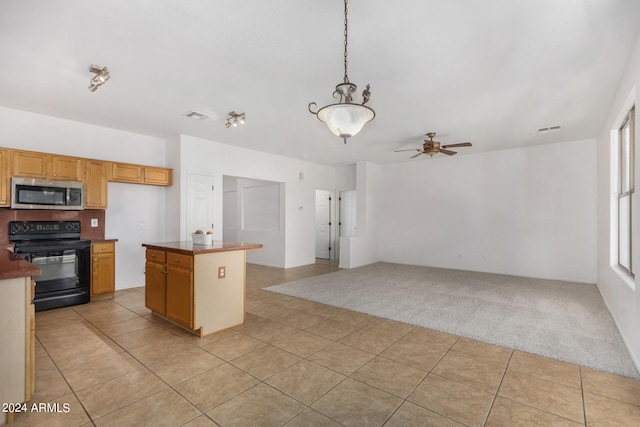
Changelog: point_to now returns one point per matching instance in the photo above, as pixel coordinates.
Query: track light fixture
(234, 119)
(101, 77)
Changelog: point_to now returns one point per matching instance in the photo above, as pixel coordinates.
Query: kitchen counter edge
(188, 248)
(13, 266)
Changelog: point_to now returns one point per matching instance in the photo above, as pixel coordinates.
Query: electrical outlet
(222, 271)
(94, 222)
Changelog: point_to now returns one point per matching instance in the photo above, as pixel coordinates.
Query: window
(625, 191)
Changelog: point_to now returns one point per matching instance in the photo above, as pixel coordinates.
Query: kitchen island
(199, 287)
(17, 335)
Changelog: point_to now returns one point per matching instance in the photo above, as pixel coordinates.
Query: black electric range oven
(65, 260)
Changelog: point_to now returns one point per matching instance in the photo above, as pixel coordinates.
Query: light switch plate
(94, 222)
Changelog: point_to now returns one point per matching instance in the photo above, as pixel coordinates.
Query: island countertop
(188, 248)
(13, 266)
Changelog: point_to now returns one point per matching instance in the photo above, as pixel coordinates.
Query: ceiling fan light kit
(345, 118)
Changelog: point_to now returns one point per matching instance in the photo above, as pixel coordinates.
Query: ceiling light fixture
(234, 119)
(102, 75)
(345, 118)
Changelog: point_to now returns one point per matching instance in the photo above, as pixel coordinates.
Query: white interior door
(323, 224)
(200, 204)
(348, 213)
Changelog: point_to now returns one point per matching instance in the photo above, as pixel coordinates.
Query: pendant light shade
(345, 118)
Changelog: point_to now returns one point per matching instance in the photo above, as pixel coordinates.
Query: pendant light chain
(345, 118)
(346, 23)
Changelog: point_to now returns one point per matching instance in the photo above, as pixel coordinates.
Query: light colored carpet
(563, 320)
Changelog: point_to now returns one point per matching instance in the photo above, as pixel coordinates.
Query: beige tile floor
(299, 363)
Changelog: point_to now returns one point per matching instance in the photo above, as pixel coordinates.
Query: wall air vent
(196, 115)
(549, 129)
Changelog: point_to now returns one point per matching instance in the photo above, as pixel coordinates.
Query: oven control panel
(42, 228)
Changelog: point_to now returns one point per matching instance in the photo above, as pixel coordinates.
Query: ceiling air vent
(196, 115)
(549, 129)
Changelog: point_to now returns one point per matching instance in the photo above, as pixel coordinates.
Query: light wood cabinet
(66, 168)
(158, 176)
(103, 268)
(46, 166)
(29, 164)
(95, 184)
(154, 282)
(138, 174)
(169, 286)
(124, 172)
(95, 174)
(179, 297)
(5, 178)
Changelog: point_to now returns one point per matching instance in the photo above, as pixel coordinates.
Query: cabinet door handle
(164, 271)
(177, 260)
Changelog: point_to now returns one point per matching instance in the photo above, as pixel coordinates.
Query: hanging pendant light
(345, 118)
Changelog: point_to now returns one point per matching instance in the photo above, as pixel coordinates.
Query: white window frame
(626, 190)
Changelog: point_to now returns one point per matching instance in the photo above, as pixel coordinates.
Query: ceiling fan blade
(411, 149)
(448, 152)
(421, 152)
(462, 144)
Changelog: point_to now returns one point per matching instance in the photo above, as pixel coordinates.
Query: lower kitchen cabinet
(169, 286)
(179, 291)
(155, 287)
(103, 268)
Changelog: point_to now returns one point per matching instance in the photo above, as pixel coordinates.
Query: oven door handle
(30, 249)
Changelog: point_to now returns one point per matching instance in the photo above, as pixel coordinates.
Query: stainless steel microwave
(31, 193)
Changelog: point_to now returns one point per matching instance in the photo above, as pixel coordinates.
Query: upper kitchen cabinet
(67, 168)
(46, 166)
(158, 176)
(124, 172)
(138, 174)
(95, 184)
(5, 177)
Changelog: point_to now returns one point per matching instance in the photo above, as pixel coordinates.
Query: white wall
(620, 292)
(238, 211)
(136, 212)
(528, 212)
(216, 159)
(364, 248)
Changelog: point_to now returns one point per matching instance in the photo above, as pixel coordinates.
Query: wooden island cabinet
(199, 287)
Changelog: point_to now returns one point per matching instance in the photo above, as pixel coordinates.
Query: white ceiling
(491, 72)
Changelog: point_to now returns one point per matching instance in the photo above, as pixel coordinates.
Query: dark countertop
(188, 248)
(13, 266)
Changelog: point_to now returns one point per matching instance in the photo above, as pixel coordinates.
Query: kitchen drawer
(102, 247)
(156, 256)
(180, 260)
